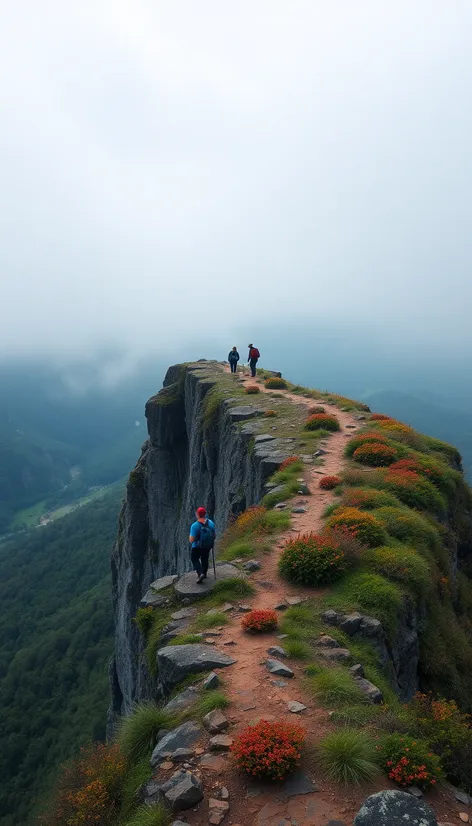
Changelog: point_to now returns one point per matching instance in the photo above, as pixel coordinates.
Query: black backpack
(207, 537)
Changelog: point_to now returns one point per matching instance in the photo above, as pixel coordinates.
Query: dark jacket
(233, 356)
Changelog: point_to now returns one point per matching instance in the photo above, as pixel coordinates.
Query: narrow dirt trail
(253, 692)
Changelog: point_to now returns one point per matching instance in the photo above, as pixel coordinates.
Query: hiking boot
(200, 579)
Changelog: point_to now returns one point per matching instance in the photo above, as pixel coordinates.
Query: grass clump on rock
(312, 559)
(137, 734)
(260, 621)
(269, 751)
(348, 756)
(363, 525)
(372, 594)
(336, 687)
(208, 701)
(322, 421)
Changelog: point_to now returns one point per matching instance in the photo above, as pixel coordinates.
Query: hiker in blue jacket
(202, 538)
(233, 358)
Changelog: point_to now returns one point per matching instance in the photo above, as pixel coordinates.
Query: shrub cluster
(368, 498)
(401, 564)
(260, 620)
(312, 411)
(450, 734)
(364, 526)
(380, 417)
(414, 490)
(409, 762)
(403, 523)
(312, 559)
(269, 414)
(252, 389)
(375, 454)
(275, 383)
(322, 421)
(89, 790)
(269, 750)
(330, 482)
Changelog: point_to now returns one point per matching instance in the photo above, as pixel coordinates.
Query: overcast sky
(171, 167)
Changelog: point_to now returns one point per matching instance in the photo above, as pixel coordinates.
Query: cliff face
(201, 450)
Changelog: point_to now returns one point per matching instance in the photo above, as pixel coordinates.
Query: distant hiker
(233, 358)
(253, 358)
(202, 537)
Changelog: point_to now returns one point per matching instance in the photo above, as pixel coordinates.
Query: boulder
(221, 742)
(277, 651)
(252, 565)
(163, 582)
(179, 738)
(175, 662)
(243, 412)
(183, 700)
(182, 755)
(335, 654)
(351, 623)
(213, 681)
(215, 721)
(152, 600)
(295, 707)
(327, 642)
(373, 694)
(187, 587)
(184, 613)
(293, 600)
(279, 669)
(394, 808)
(184, 794)
(357, 670)
(217, 811)
(330, 617)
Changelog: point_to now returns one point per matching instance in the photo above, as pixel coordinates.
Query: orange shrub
(252, 389)
(322, 421)
(289, 461)
(260, 620)
(269, 750)
(375, 454)
(414, 490)
(364, 526)
(380, 417)
(330, 482)
(276, 383)
(269, 414)
(90, 788)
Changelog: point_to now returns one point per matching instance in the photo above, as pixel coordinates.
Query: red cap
(201, 512)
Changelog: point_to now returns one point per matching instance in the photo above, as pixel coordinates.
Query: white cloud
(169, 167)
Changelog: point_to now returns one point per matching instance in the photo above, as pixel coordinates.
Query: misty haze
(179, 179)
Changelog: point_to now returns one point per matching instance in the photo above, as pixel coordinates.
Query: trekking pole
(213, 556)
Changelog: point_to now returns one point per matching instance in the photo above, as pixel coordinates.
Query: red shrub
(312, 559)
(260, 620)
(287, 462)
(410, 762)
(322, 421)
(252, 389)
(330, 482)
(269, 750)
(380, 417)
(375, 454)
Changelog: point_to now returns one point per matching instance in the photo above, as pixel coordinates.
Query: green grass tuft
(372, 594)
(348, 756)
(137, 734)
(236, 550)
(155, 815)
(232, 588)
(209, 701)
(136, 776)
(336, 687)
(205, 621)
(185, 639)
(298, 649)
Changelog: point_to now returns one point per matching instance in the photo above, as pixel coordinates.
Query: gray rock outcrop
(394, 808)
(190, 458)
(178, 661)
